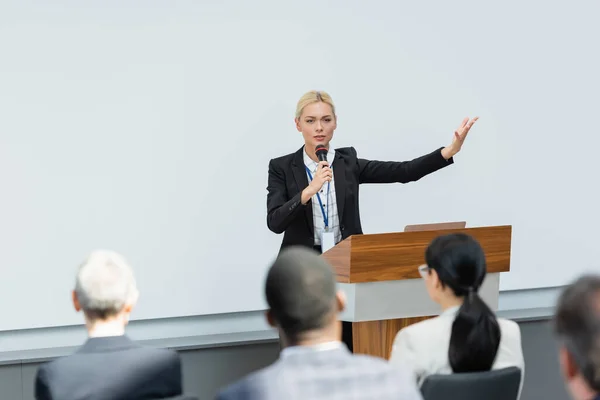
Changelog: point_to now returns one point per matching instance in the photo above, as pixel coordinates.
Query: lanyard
(325, 213)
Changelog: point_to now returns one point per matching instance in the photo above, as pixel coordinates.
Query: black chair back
(501, 384)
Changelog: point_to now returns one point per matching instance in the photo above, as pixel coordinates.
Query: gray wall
(542, 373)
(207, 369)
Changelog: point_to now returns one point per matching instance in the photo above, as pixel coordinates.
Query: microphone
(321, 152)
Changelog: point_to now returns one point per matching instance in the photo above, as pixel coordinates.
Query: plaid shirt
(318, 220)
(329, 374)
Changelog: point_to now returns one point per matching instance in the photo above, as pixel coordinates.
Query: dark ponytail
(460, 264)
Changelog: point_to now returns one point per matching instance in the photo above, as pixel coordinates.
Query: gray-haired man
(109, 365)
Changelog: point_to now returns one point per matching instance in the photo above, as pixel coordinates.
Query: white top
(423, 346)
(319, 222)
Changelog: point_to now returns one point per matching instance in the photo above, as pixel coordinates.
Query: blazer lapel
(339, 177)
(299, 171)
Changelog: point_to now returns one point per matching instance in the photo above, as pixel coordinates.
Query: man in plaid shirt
(314, 364)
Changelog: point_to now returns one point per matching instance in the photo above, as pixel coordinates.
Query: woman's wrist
(306, 195)
(447, 152)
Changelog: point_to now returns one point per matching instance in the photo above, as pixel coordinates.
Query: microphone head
(321, 152)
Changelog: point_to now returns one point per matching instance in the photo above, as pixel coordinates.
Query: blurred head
(455, 265)
(105, 287)
(316, 119)
(302, 297)
(577, 327)
(454, 271)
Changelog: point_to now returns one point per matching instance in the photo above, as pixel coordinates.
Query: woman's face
(317, 124)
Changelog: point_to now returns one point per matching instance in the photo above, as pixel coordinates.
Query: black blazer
(287, 178)
(114, 368)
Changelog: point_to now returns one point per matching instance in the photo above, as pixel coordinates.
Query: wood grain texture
(396, 256)
(339, 257)
(376, 338)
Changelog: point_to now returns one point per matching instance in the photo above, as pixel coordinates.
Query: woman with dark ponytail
(466, 336)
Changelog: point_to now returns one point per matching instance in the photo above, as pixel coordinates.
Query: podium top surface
(396, 256)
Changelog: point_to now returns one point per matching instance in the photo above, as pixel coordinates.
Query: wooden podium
(379, 275)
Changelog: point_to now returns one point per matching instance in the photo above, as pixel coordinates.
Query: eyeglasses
(424, 270)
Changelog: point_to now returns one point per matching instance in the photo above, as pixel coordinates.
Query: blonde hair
(314, 96)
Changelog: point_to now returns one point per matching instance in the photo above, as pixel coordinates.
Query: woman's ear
(297, 122)
(435, 279)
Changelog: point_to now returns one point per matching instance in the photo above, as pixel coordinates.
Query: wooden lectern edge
(341, 271)
(471, 228)
(342, 265)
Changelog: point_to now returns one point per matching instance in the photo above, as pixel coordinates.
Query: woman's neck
(450, 302)
(310, 152)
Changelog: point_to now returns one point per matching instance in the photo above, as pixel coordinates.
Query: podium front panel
(408, 298)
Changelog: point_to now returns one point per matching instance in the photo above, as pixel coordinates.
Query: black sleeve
(281, 211)
(371, 171)
(42, 391)
(165, 379)
(175, 383)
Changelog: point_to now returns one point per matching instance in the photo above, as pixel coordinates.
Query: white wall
(147, 127)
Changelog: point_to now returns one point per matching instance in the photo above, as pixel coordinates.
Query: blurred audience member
(314, 363)
(467, 336)
(109, 365)
(577, 326)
